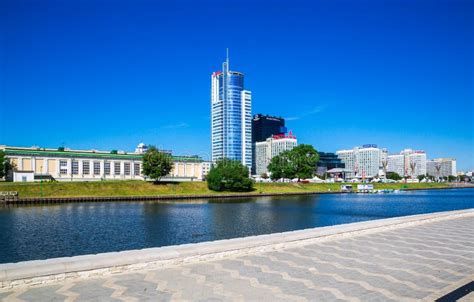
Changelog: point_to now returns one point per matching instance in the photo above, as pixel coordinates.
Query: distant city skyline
(397, 74)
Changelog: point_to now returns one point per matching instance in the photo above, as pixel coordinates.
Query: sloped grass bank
(143, 188)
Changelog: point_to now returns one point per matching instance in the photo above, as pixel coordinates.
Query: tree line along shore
(144, 188)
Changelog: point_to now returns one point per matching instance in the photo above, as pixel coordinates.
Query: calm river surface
(40, 232)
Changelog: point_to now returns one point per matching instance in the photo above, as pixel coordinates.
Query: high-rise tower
(231, 119)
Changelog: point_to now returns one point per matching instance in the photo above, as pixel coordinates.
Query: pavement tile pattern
(405, 264)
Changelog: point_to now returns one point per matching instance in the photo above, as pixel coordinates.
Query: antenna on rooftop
(227, 56)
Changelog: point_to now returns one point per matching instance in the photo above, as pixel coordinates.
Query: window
(126, 167)
(117, 168)
(62, 167)
(96, 168)
(75, 167)
(107, 168)
(86, 167)
(136, 169)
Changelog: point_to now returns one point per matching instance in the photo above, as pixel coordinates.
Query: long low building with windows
(92, 165)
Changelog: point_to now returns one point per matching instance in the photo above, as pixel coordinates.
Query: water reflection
(40, 232)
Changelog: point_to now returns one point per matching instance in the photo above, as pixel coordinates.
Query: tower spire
(227, 57)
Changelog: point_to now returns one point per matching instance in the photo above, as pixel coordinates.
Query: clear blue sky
(110, 74)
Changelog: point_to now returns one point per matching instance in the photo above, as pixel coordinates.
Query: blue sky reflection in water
(41, 232)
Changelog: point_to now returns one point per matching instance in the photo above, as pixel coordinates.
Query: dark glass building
(328, 161)
(263, 127)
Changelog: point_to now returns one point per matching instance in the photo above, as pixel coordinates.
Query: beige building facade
(93, 165)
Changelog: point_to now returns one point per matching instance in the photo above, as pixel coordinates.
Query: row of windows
(63, 168)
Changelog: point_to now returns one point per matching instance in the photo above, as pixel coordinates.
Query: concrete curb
(38, 272)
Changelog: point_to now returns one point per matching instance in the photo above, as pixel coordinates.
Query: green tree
(280, 166)
(393, 175)
(156, 164)
(304, 159)
(299, 162)
(229, 175)
(420, 177)
(2, 164)
(61, 149)
(5, 165)
(113, 152)
(451, 178)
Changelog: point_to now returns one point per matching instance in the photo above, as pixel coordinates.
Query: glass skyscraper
(231, 105)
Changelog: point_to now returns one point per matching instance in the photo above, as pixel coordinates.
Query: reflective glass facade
(231, 117)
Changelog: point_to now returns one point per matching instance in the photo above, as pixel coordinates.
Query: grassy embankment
(142, 188)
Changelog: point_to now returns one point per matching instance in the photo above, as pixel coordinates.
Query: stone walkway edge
(50, 271)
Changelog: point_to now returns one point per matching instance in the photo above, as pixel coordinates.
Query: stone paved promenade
(409, 261)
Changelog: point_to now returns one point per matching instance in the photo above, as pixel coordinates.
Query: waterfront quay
(411, 258)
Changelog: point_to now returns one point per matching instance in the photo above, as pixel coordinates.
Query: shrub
(229, 175)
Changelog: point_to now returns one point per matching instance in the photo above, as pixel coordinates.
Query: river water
(41, 232)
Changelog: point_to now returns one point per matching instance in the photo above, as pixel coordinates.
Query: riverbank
(182, 189)
(322, 261)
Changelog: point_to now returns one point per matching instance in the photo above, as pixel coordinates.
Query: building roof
(87, 154)
(283, 136)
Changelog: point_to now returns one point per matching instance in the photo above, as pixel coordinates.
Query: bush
(393, 175)
(229, 175)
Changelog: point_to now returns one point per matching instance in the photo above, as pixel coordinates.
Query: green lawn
(142, 188)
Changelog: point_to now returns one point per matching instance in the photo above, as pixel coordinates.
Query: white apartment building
(417, 163)
(396, 163)
(92, 165)
(364, 162)
(206, 167)
(270, 148)
(441, 167)
(348, 158)
(408, 163)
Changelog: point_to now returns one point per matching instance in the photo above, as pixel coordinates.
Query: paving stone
(38, 294)
(92, 290)
(5, 294)
(137, 287)
(409, 262)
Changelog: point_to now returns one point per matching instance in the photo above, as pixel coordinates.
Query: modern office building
(364, 162)
(92, 165)
(263, 127)
(328, 161)
(270, 148)
(408, 163)
(231, 128)
(441, 167)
